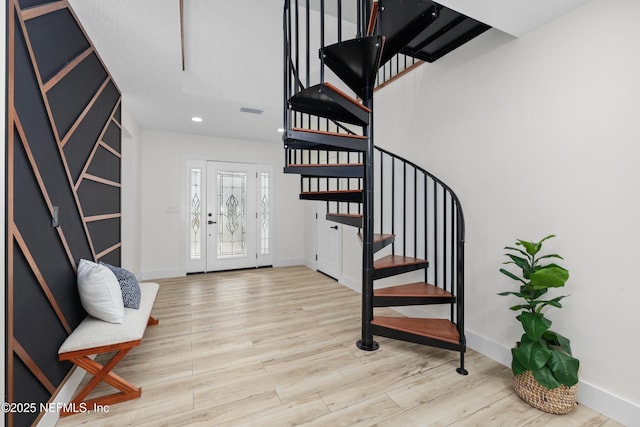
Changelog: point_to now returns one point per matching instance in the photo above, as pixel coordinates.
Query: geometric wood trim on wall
(63, 159)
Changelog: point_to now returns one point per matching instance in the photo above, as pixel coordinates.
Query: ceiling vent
(251, 110)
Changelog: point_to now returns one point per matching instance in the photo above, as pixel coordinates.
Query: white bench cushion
(92, 332)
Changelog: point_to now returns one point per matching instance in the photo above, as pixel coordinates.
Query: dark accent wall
(63, 152)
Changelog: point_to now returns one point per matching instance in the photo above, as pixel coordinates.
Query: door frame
(199, 265)
(323, 234)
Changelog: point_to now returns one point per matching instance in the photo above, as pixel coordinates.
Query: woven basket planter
(560, 400)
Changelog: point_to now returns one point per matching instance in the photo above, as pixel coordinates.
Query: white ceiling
(233, 55)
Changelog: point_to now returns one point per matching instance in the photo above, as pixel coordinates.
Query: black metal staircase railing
(409, 220)
(427, 219)
(395, 67)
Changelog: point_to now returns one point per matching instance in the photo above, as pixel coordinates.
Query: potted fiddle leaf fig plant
(545, 372)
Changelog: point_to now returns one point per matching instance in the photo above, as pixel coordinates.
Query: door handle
(211, 222)
(335, 227)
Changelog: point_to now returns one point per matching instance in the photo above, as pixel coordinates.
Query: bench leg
(102, 373)
(152, 321)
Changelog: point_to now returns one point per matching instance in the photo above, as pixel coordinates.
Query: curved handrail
(452, 262)
(434, 178)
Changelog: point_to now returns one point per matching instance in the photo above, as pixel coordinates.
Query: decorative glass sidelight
(232, 218)
(264, 213)
(195, 210)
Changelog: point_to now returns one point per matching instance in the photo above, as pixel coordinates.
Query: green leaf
(545, 378)
(552, 302)
(550, 256)
(511, 248)
(512, 276)
(564, 368)
(555, 338)
(534, 325)
(530, 247)
(521, 307)
(549, 276)
(533, 355)
(516, 366)
(518, 294)
(537, 293)
(546, 238)
(520, 262)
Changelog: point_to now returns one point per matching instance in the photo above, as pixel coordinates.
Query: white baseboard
(609, 405)
(309, 264)
(589, 395)
(161, 274)
(351, 283)
(487, 347)
(289, 262)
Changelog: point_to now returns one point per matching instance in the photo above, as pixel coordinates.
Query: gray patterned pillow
(128, 285)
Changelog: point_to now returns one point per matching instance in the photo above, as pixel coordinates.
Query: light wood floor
(276, 347)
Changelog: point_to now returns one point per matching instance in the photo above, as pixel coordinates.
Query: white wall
(541, 135)
(130, 167)
(162, 159)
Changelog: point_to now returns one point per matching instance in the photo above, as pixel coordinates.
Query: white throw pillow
(100, 292)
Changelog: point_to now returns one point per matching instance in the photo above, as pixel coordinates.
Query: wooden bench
(94, 336)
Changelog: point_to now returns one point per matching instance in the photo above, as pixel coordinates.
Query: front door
(231, 216)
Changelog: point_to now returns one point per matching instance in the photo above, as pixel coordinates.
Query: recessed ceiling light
(196, 119)
(281, 130)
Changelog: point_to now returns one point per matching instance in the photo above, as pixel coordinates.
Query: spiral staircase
(409, 222)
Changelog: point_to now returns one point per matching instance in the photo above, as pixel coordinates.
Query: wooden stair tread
(391, 261)
(417, 289)
(346, 96)
(377, 238)
(440, 329)
(380, 241)
(323, 132)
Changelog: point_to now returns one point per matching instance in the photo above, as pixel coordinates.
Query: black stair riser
(418, 339)
(381, 273)
(424, 55)
(362, 116)
(317, 141)
(355, 61)
(333, 197)
(405, 301)
(327, 171)
(353, 222)
(377, 246)
(321, 101)
(402, 21)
